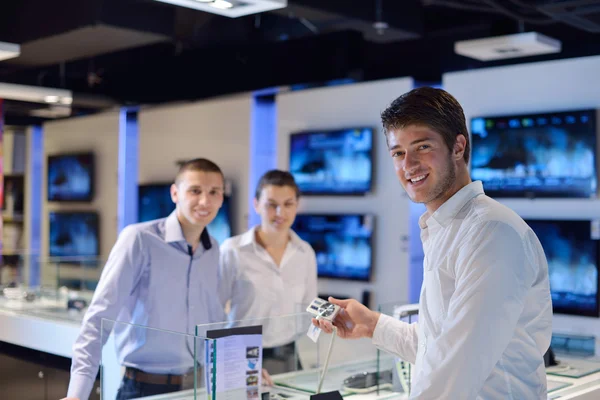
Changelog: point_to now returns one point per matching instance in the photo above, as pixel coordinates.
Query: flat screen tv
(154, 201)
(71, 177)
(572, 249)
(536, 155)
(336, 162)
(74, 234)
(342, 243)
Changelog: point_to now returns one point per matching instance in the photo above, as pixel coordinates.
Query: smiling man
(485, 310)
(161, 274)
(269, 270)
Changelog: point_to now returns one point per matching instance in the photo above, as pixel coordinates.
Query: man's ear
(174, 193)
(256, 205)
(459, 147)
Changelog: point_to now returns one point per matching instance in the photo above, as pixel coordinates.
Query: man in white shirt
(485, 307)
(270, 271)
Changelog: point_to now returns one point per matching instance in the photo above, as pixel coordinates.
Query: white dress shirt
(485, 308)
(258, 288)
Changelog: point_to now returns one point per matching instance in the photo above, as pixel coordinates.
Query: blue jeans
(131, 389)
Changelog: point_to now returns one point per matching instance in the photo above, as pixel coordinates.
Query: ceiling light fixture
(9, 50)
(221, 4)
(35, 94)
(508, 46)
(230, 8)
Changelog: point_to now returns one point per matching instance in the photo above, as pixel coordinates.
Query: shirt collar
(174, 233)
(448, 211)
(249, 239)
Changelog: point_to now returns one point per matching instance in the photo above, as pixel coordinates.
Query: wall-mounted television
(336, 162)
(343, 243)
(74, 234)
(536, 155)
(154, 201)
(71, 177)
(572, 249)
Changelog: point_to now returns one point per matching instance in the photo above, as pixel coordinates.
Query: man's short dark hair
(276, 177)
(434, 108)
(198, 164)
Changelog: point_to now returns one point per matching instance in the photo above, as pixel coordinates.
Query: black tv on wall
(333, 162)
(536, 155)
(71, 177)
(572, 249)
(74, 234)
(343, 243)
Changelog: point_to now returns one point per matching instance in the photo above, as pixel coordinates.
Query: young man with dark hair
(161, 274)
(485, 311)
(269, 271)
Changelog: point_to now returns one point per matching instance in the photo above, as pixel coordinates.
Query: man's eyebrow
(417, 141)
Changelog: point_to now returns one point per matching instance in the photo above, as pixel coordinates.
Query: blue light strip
(127, 212)
(263, 143)
(34, 213)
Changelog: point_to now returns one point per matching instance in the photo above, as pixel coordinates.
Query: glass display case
(65, 289)
(174, 361)
(300, 367)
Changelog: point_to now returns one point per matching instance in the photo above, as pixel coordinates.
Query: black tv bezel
(90, 197)
(64, 212)
(533, 194)
(332, 193)
(148, 185)
(371, 244)
(569, 310)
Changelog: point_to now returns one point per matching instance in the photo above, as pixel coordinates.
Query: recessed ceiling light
(51, 99)
(221, 4)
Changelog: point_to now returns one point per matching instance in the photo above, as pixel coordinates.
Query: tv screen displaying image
(333, 162)
(154, 202)
(572, 251)
(74, 234)
(342, 243)
(71, 177)
(536, 155)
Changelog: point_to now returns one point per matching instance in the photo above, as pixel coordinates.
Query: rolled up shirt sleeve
(396, 337)
(116, 284)
(492, 280)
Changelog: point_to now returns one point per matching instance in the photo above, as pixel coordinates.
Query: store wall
(217, 129)
(347, 106)
(99, 134)
(537, 87)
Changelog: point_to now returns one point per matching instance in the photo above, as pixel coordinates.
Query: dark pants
(131, 389)
(134, 386)
(281, 359)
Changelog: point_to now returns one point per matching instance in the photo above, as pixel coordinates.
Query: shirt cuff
(80, 386)
(380, 330)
